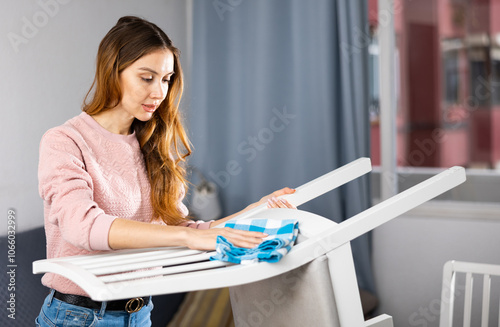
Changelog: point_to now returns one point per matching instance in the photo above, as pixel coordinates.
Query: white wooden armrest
(319, 186)
(393, 207)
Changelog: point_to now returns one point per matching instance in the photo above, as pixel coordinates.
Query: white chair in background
(314, 284)
(472, 272)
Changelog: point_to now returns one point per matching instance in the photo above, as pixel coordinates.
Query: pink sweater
(88, 177)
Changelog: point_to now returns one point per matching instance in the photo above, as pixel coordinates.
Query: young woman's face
(145, 84)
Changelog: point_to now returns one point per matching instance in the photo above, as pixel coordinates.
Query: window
(495, 77)
(479, 80)
(448, 87)
(451, 77)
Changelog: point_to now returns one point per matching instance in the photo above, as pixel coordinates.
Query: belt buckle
(134, 305)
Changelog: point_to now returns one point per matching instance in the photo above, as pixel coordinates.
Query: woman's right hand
(206, 239)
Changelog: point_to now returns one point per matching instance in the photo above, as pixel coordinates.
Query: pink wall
(478, 20)
(494, 19)
(495, 137)
(453, 24)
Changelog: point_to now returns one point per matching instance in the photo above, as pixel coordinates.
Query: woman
(112, 177)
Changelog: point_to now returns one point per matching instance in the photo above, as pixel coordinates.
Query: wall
(410, 251)
(47, 62)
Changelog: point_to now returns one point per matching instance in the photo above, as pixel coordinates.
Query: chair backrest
(451, 290)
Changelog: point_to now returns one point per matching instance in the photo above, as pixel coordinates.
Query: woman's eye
(166, 81)
(147, 80)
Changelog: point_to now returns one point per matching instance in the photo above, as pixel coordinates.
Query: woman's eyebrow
(153, 71)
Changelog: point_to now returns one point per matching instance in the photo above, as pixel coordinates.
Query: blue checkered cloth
(282, 235)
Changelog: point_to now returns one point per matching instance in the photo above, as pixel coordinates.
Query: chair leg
(380, 321)
(345, 286)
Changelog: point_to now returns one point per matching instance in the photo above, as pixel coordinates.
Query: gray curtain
(279, 97)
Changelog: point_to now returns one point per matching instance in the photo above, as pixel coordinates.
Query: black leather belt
(129, 305)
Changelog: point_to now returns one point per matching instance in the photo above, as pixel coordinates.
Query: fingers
(275, 194)
(245, 233)
(243, 238)
(283, 191)
(206, 239)
(244, 243)
(279, 203)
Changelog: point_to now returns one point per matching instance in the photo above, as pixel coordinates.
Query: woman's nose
(159, 90)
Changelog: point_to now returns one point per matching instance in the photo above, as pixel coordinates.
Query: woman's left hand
(273, 200)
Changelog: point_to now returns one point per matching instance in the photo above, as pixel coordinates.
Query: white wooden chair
(314, 284)
(472, 271)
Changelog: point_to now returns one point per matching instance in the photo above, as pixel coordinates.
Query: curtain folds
(279, 97)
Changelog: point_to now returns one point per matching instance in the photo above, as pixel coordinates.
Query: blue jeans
(57, 313)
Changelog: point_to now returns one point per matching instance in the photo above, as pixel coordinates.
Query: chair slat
(163, 271)
(82, 260)
(452, 299)
(486, 301)
(151, 264)
(137, 258)
(468, 299)
(477, 268)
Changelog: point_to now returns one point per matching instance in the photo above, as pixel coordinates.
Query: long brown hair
(163, 139)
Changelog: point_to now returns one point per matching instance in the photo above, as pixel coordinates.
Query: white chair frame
(450, 270)
(126, 274)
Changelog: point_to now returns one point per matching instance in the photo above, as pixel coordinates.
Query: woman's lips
(149, 107)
